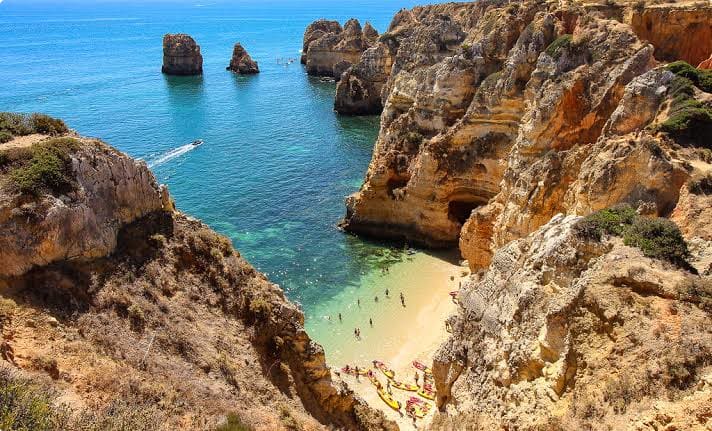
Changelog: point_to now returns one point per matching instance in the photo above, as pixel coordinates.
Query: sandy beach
(399, 334)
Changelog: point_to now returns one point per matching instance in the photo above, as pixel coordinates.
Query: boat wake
(170, 155)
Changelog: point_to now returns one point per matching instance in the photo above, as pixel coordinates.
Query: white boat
(197, 142)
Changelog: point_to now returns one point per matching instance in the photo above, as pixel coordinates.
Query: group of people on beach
(357, 331)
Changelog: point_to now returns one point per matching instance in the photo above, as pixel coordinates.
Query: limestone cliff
(328, 49)
(134, 313)
(565, 331)
(181, 55)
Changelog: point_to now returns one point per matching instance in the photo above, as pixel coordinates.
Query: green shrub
(689, 118)
(556, 48)
(609, 221)
(657, 238)
(5, 137)
(701, 186)
(21, 124)
(47, 125)
(260, 307)
(48, 168)
(234, 423)
(25, 406)
(700, 78)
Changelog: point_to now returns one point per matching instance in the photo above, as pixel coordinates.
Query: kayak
(388, 399)
(417, 411)
(352, 371)
(387, 371)
(426, 394)
(422, 367)
(404, 386)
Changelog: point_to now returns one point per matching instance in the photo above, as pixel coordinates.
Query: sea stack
(329, 49)
(181, 55)
(241, 62)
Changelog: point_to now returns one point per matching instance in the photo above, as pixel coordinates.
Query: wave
(170, 155)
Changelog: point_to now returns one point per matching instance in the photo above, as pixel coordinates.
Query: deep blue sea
(277, 161)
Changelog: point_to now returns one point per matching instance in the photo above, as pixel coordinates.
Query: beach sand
(399, 334)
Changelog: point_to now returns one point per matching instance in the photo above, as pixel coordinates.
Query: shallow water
(277, 162)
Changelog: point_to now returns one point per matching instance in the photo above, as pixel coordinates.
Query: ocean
(277, 162)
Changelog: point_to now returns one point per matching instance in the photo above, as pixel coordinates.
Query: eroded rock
(241, 62)
(181, 55)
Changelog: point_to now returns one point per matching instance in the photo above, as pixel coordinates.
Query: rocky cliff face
(181, 55)
(241, 62)
(568, 332)
(478, 94)
(328, 49)
(136, 313)
(503, 123)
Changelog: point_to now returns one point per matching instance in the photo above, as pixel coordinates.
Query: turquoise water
(277, 162)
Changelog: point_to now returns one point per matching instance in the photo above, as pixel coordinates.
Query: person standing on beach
(375, 298)
(358, 301)
(386, 293)
(388, 387)
(370, 321)
(402, 299)
(340, 317)
(417, 377)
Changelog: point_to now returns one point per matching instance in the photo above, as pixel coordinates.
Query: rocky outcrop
(707, 64)
(111, 190)
(565, 332)
(139, 315)
(241, 62)
(678, 31)
(498, 116)
(181, 55)
(327, 45)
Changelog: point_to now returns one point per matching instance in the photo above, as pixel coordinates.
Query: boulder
(181, 55)
(241, 62)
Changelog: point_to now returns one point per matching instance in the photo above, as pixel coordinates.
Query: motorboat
(197, 142)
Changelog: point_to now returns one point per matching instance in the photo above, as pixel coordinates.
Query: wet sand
(399, 334)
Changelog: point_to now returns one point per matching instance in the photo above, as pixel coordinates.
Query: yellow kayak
(417, 411)
(404, 386)
(387, 371)
(352, 371)
(422, 367)
(374, 380)
(388, 399)
(426, 394)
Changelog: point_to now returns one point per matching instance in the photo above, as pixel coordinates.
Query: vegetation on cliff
(656, 237)
(12, 124)
(44, 166)
(689, 118)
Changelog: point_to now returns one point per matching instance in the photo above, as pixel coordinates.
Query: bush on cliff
(657, 238)
(46, 166)
(701, 186)
(556, 48)
(22, 124)
(689, 119)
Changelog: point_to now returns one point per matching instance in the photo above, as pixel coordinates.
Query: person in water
(375, 298)
(339, 317)
(358, 301)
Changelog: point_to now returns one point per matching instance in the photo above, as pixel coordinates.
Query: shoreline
(425, 280)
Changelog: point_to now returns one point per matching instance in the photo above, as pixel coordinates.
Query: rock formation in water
(328, 49)
(134, 313)
(241, 62)
(181, 55)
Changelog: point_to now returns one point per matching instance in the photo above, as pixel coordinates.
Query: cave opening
(460, 210)
(396, 183)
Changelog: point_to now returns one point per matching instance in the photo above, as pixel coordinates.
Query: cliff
(568, 330)
(328, 49)
(129, 312)
(503, 124)
(181, 55)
